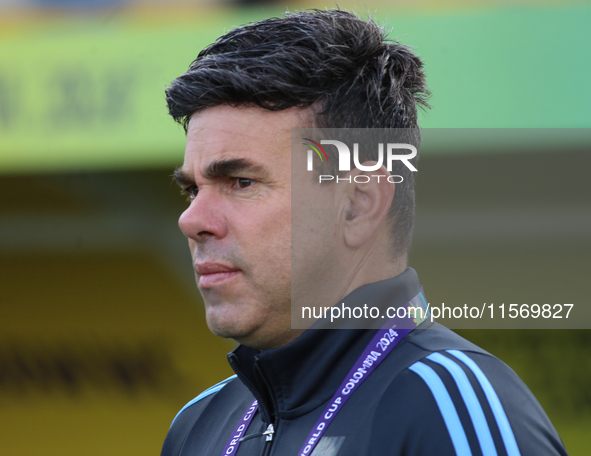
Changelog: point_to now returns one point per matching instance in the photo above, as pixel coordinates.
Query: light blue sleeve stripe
(495, 403)
(446, 407)
(485, 439)
(425, 303)
(203, 395)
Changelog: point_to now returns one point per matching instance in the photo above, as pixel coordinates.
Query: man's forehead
(225, 133)
(249, 120)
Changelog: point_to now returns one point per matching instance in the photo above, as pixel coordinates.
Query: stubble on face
(246, 231)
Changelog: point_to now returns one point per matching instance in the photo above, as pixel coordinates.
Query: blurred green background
(102, 338)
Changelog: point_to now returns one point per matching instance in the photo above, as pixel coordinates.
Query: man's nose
(203, 218)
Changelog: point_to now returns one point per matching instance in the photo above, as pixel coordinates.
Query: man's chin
(247, 336)
(237, 336)
(255, 339)
(229, 328)
(248, 326)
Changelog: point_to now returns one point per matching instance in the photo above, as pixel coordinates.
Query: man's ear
(369, 196)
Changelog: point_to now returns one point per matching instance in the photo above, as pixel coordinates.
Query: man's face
(237, 173)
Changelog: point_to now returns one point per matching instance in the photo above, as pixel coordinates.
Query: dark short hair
(331, 59)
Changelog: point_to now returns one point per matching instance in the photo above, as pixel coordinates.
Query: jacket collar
(292, 380)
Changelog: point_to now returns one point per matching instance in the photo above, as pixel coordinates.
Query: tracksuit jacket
(435, 394)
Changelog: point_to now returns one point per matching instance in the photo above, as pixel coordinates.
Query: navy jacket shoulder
(435, 393)
(459, 399)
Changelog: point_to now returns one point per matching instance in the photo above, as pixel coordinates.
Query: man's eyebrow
(218, 169)
(181, 178)
(231, 167)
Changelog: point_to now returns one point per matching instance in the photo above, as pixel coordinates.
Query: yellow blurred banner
(98, 352)
(85, 91)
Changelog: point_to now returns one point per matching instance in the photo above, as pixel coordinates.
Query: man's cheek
(192, 247)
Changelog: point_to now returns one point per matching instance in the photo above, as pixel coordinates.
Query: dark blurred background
(102, 338)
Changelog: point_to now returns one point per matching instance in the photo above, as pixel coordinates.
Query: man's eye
(243, 182)
(191, 192)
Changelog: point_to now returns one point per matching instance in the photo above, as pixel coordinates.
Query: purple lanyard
(376, 351)
(234, 441)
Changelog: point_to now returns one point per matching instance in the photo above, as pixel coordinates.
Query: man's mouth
(211, 274)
